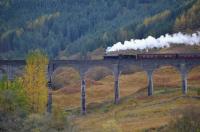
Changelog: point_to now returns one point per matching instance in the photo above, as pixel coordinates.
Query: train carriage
(155, 56)
(189, 56)
(127, 56)
(111, 57)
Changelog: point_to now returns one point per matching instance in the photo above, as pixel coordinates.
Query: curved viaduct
(115, 65)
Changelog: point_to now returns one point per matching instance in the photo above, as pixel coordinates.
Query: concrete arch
(107, 66)
(194, 78)
(64, 74)
(191, 67)
(150, 68)
(102, 71)
(175, 66)
(52, 67)
(66, 81)
(115, 68)
(99, 85)
(133, 80)
(81, 68)
(166, 76)
(56, 66)
(131, 67)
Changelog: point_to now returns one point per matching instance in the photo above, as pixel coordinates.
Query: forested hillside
(65, 27)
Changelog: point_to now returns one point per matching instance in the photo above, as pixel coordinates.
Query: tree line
(66, 27)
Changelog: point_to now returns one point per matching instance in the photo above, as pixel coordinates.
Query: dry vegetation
(136, 111)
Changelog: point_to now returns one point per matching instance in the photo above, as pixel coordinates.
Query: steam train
(154, 56)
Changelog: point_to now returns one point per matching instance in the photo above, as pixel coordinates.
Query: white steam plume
(151, 42)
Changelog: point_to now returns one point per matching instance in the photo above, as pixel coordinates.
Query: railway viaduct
(115, 65)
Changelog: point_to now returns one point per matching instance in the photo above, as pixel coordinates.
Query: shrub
(11, 122)
(44, 123)
(198, 92)
(12, 96)
(22, 122)
(13, 105)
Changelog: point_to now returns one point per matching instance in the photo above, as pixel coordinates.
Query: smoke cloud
(161, 42)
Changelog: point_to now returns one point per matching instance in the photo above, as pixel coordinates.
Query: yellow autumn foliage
(158, 17)
(39, 22)
(35, 81)
(189, 20)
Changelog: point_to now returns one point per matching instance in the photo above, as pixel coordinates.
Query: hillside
(39, 30)
(62, 28)
(136, 111)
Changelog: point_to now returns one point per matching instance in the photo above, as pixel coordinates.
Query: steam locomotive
(155, 56)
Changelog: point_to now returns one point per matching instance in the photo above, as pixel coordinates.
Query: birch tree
(35, 81)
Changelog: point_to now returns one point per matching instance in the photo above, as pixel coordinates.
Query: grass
(136, 111)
